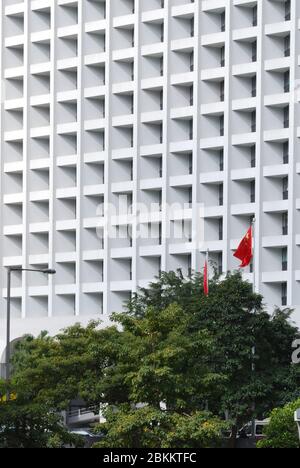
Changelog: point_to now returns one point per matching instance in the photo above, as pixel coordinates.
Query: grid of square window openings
(153, 102)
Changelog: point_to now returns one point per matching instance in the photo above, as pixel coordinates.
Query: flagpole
(246, 253)
(253, 254)
(207, 263)
(254, 291)
(253, 273)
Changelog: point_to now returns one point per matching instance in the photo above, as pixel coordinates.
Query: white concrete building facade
(152, 102)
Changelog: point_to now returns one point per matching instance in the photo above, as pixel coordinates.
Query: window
(131, 170)
(191, 129)
(221, 160)
(285, 152)
(222, 91)
(190, 272)
(287, 7)
(253, 122)
(190, 196)
(286, 82)
(252, 191)
(192, 27)
(222, 56)
(221, 229)
(131, 138)
(191, 96)
(222, 125)
(287, 46)
(254, 51)
(221, 197)
(285, 188)
(160, 170)
(220, 263)
(284, 259)
(284, 294)
(131, 105)
(190, 164)
(162, 66)
(253, 156)
(285, 224)
(254, 16)
(129, 236)
(286, 117)
(162, 33)
(161, 100)
(160, 201)
(223, 21)
(192, 62)
(253, 87)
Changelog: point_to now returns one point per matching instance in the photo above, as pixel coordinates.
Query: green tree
(152, 428)
(27, 424)
(156, 359)
(74, 363)
(162, 360)
(165, 364)
(173, 346)
(238, 322)
(282, 431)
(47, 374)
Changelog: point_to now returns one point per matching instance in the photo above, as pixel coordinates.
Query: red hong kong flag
(205, 279)
(245, 249)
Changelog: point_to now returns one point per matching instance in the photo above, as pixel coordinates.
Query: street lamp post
(8, 316)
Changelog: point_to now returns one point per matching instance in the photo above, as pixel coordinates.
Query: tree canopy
(152, 428)
(175, 358)
(282, 431)
(237, 320)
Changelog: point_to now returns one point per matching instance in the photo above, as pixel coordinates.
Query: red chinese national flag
(245, 249)
(205, 280)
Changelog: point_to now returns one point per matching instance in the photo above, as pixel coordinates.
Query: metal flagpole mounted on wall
(254, 291)
(246, 253)
(253, 253)
(254, 274)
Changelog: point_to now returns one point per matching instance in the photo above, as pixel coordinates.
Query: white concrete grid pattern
(174, 101)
